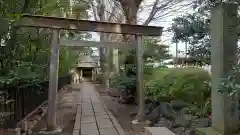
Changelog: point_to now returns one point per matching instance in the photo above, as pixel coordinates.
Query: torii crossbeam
(83, 25)
(80, 43)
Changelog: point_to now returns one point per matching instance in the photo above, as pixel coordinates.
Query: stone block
(99, 110)
(101, 115)
(89, 128)
(108, 131)
(88, 114)
(105, 123)
(88, 119)
(87, 107)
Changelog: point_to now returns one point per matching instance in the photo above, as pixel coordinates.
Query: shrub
(187, 84)
(123, 82)
(127, 81)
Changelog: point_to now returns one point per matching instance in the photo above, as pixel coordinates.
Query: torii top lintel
(85, 25)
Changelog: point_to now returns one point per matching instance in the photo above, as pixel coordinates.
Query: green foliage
(123, 82)
(127, 81)
(25, 52)
(153, 51)
(229, 85)
(186, 84)
(194, 29)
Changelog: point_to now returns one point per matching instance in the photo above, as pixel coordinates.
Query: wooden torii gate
(82, 25)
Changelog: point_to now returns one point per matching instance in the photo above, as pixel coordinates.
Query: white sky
(165, 22)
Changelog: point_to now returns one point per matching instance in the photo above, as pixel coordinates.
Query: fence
(21, 101)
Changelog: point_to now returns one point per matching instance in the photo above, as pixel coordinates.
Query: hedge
(165, 84)
(186, 84)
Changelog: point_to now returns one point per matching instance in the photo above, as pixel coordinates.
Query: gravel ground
(120, 111)
(65, 113)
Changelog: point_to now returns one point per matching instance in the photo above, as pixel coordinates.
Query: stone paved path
(92, 117)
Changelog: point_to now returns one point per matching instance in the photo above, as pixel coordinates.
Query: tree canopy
(24, 52)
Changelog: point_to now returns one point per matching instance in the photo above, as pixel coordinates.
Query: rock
(151, 106)
(178, 105)
(167, 111)
(37, 117)
(125, 100)
(154, 116)
(163, 122)
(201, 123)
(179, 130)
(148, 108)
(114, 92)
(126, 97)
(190, 132)
(135, 111)
(39, 111)
(182, 121)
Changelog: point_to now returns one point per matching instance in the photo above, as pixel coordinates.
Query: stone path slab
(92, 117)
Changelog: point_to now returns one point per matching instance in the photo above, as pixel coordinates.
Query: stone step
(157, 131)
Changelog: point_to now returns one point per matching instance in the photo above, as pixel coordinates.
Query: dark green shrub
(123, 82)
(186, 84)
(189, 85)
(127, 80)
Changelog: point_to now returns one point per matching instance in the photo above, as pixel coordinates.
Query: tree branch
(112, 13)
(152, 14)
(94, 10)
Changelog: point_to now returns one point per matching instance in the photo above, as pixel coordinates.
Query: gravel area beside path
(120, 111)
(66, 111)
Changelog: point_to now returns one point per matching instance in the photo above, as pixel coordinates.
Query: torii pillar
(223, 58)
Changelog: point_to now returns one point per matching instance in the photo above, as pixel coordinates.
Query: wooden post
(53, 82)
(176, 62)
(116, 61)
(102, 38)
(140, 76)
(185, 63)
(107, 66)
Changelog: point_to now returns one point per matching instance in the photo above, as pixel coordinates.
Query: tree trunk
(130, 8)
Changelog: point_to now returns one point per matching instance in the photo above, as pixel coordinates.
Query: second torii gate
(82, 25)
(78, 44)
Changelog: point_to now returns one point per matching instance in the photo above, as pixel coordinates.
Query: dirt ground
(65, 112)
(120, 111)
